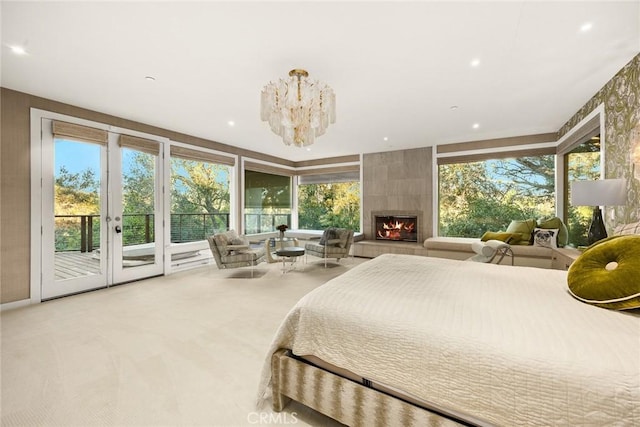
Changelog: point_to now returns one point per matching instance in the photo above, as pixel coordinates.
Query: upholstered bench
(460, 248)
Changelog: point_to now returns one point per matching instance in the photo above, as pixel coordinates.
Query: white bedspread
(504, 344)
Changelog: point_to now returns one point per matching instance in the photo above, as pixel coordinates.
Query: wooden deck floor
(69, 265)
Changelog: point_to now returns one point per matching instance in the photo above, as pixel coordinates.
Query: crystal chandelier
(298, 109)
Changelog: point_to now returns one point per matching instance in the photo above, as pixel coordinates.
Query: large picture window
(331, 200)
(267, 201)
(200, 199)
(485, 195)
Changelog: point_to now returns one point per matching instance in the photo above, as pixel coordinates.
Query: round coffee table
(292, 253)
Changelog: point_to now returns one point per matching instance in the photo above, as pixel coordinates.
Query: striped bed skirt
(342, 399)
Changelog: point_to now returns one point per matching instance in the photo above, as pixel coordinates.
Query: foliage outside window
(581, 163)
(267, 201)
(329, 205)
(76, 193)
(200, 199)
(138, 197)
(482, 196)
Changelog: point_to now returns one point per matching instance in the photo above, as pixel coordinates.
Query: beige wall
(15, 177)
(411, 167)
(398, 181)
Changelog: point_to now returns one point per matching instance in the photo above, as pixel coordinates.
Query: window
(331, 200)
(200, 194)
(267, 201)
(581, 163)
(485, 195)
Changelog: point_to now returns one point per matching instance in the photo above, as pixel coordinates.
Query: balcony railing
(82, 232)
(260, 222)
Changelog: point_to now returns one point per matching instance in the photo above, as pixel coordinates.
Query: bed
(409, 340)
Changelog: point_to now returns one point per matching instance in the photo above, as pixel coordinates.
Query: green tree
(138, 183)
(138, 197)
(75, 194)
(329, 205)
(199, 187)
(485, 196)
(200, 199)
(583, 163)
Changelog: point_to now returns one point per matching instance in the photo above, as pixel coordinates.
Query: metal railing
(255, 223)
(82, 232)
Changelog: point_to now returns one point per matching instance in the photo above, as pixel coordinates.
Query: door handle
(118, 229)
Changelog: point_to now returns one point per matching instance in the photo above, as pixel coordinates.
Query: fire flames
(393, 230)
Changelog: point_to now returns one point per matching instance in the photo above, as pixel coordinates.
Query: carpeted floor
(185, 349)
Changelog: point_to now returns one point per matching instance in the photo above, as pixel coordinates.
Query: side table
(562, 258)
(279, 244)
(291, 253)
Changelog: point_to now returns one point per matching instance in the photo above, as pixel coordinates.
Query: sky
(76, 156)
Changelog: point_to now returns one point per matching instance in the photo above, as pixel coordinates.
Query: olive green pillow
(607, 274)
(524, 229)
(502, 236)
(563, 233)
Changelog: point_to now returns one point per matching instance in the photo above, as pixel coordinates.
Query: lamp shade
(603, 192)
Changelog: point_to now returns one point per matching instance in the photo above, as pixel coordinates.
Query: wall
(391, 181)
(621, 98)
(15, 177)
(398, 180)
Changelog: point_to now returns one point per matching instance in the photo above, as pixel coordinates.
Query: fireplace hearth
(400, 228)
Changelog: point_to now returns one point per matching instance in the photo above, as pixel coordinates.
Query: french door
(102, 208)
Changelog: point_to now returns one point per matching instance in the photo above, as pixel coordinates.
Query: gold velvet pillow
(513, 238)
(607, 274)
(524, 229)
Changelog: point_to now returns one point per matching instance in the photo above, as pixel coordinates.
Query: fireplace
(401, 228)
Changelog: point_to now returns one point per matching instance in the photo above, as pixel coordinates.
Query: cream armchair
(232, 251)
(335, 243)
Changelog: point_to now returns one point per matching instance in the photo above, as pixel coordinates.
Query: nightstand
(562, 258)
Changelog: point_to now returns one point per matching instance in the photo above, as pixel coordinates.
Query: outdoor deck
(69, 265)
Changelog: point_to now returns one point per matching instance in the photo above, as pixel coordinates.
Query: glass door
(136, 209)
(101, 211)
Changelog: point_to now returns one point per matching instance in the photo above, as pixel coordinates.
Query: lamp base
(596, 229)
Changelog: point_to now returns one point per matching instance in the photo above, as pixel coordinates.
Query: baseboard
(14, 304)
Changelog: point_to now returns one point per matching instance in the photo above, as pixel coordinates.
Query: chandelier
(298, 109)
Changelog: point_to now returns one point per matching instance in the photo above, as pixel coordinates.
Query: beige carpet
(185, 349)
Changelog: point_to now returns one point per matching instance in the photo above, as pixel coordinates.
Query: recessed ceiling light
(385, 138)
(150, 78)
(231, 123)
(476, 125)
(475, 62)
(453, 107)
(308, 149)
(586, 27)
(18, 50)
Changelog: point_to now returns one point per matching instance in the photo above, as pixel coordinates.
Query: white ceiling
(396, 67)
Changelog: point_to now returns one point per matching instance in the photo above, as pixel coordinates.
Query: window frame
(331, 178)
(592, 122)
(545, 149)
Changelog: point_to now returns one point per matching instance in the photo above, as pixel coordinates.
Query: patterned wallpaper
(621, 98)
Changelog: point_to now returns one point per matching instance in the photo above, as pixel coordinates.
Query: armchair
(231, 251)
(335, 243)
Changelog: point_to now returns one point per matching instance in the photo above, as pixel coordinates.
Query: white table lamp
(603, 192)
